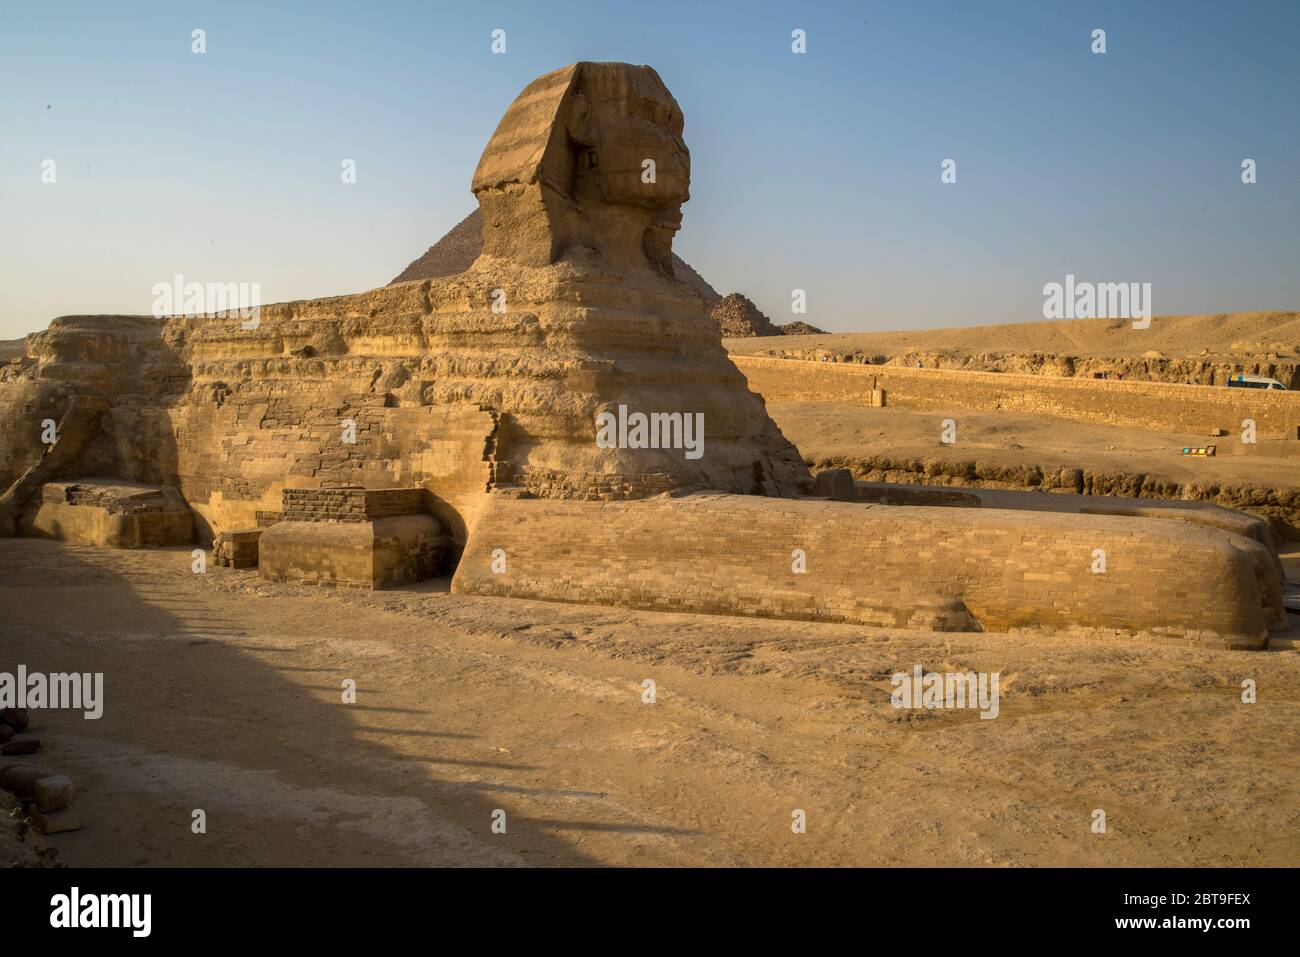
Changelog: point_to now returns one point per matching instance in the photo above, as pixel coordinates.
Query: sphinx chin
(463, 424)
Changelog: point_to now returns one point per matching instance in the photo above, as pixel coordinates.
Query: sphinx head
(590, 156)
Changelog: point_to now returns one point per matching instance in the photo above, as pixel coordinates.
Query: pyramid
(800, 328)
(456, 252)
(738, 317)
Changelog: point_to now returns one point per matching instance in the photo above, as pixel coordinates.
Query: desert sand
(1015, 450)
(223, 693)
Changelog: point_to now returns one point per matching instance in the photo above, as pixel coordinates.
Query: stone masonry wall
(350, 504)
(1147, 405)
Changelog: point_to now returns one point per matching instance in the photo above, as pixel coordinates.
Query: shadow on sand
(196, 717)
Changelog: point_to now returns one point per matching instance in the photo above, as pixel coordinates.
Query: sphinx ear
(576, 120)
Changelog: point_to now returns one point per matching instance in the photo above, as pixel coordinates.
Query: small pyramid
(800, 328)
(738, 317)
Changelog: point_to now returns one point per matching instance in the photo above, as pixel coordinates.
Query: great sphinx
(486, 391)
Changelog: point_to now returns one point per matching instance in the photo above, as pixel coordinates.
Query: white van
(1254, 382)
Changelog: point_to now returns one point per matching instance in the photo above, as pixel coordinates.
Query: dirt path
(224, 693)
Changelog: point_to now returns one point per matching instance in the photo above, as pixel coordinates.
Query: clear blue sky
(816, 171)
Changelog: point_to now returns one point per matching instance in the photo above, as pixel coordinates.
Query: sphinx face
(590, 156)
(627, 132)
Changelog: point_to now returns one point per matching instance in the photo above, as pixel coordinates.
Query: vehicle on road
(1242, 381)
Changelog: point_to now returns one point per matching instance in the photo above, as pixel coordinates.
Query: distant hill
(1200, 349)
(1235, 333)
(11, 349)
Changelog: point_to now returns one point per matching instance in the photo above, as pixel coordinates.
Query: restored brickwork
(354, 537)
(350, 504)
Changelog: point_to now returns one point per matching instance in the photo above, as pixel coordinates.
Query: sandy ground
(223, 693)
(1010, 439)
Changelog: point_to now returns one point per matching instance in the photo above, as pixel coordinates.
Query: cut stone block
(110, 512)
(54, 792)
(837, 485)
(365, 554)
(237, 548)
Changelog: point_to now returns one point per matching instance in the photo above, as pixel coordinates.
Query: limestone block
(837, 485)
(367, 554)
(237, 548)
(110, 512)
(54, 792)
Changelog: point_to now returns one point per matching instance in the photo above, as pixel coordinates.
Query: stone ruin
(450, 423)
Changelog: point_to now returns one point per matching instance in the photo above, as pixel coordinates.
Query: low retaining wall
(1147, 405)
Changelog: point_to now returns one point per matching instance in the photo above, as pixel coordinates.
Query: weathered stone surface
(837, 485)
(20, 746)
(882, 565)
(576, 261)
(354, 537)
(21, 779)
(53, 792)
(118, 514)
(236, 548)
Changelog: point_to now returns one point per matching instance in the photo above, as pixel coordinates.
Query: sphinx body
(485, 388)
